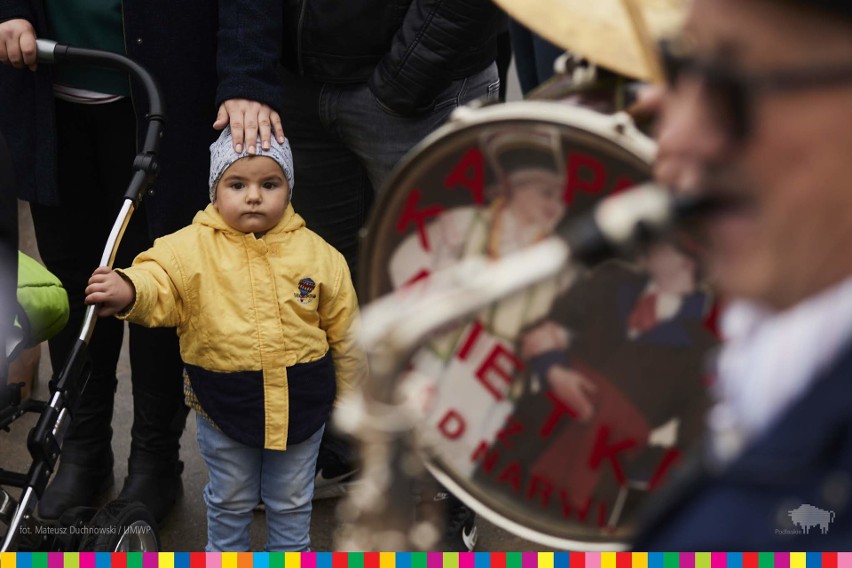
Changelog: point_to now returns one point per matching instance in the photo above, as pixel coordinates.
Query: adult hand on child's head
(110, 291)
(248, 118)
(18, 44)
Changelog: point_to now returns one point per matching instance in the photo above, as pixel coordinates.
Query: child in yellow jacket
(265, 311)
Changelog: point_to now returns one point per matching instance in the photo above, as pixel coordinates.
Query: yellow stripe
(451, 560)
(545, 560)
(798, 559)
(387, 560)
(639, 560)
(276, 399)
(702, 560)
(7, 560)
(608, 560)
(229, 560)
(165, 560)
(292, 560)
(71, 560)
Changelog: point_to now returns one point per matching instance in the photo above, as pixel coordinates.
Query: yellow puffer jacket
(257, 319)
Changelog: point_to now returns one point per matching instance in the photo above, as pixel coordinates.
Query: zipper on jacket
(299, 61)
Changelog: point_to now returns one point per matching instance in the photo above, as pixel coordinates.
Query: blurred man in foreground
(759, 111)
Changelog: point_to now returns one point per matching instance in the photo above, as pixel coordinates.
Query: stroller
(119, 525)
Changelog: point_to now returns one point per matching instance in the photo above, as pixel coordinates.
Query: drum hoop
(508, 524)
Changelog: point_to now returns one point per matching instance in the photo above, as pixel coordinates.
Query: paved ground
(185, 529)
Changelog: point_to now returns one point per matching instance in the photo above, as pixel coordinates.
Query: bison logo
(807, 516)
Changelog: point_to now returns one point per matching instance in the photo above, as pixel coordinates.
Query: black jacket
(408, 51)
(176, 42)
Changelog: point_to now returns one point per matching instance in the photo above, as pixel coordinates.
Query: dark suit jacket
(805, 458)
(662, 370)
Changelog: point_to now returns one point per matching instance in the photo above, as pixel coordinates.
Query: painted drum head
(560, 410)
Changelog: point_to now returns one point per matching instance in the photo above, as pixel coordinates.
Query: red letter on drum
(452, 425)
(491, 366)
(469, 173)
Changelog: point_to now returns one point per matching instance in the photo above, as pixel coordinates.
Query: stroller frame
(44, 441)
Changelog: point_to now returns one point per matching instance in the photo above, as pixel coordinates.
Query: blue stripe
(259, 560)
(323, 559)
(655, 559)
(403, 560)
(735, 560)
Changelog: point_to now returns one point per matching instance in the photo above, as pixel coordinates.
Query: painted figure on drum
(527, 170)
(615, 390)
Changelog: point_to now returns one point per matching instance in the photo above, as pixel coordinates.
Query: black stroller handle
(49, 51)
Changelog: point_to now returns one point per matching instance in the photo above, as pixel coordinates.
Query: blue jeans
(240, 477)
(346, 142)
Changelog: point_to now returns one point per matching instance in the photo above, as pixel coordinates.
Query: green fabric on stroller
(43, 302)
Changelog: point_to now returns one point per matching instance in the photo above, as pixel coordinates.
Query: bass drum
(558, 411)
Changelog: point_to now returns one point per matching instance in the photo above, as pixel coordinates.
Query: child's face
(252, 194)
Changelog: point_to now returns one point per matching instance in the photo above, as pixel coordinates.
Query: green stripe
(671, 560)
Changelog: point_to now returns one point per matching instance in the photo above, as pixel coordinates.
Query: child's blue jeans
(240, 477)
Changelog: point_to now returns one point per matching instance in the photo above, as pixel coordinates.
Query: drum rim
(512, 526)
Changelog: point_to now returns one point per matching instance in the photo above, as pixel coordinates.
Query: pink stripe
(149, 559)
(687, 560)
(87, 560)
(467, 560)
(593, 560)
(844, 560)
(781, 560)
(309, 559)
(213, 560)
(434, 560)
(55, 560)
(718, 560)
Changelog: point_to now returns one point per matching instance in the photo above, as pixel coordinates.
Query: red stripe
(829, 560)
(371, 560)
(750, 560)
(339, 560)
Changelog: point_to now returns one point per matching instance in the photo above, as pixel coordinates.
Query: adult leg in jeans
(332, 190)
(380, 137)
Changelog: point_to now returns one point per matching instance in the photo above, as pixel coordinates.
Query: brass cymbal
(617, 34)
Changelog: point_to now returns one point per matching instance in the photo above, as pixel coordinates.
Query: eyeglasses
(731, 93)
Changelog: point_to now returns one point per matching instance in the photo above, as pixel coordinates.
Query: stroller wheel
(121, 526)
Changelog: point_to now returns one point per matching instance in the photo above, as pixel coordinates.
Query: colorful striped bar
(426, 560)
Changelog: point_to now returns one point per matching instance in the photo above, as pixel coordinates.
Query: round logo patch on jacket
(306, 288)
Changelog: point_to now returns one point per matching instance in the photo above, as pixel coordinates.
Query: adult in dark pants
(359, 84)
(74, 161)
